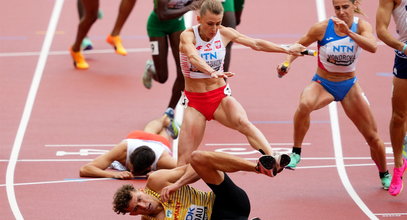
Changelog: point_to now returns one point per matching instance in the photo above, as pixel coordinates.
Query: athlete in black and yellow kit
(225, 201)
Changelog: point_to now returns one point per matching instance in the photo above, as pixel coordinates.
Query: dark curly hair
(141, 159)
(121, 198)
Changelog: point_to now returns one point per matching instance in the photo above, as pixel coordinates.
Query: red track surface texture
(91, 110)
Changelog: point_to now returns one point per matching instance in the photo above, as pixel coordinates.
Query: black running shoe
(266, 165)
(282, 160)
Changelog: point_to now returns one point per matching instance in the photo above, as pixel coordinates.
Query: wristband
(404, 48)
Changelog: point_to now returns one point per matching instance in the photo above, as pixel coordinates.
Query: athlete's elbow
(256, 47)
(372, 49)
(380, 33)
(194, 59)
(83, 171)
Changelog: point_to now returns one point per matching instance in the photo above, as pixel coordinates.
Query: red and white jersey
(213, 52)
(156, 146)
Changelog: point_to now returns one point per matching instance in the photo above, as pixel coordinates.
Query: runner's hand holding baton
(284, 66)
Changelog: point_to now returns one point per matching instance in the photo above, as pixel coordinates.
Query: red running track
(89, 111)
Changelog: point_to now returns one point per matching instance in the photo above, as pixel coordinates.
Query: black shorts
(400, 67)
(231, 202)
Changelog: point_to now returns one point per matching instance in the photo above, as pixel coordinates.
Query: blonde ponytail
(357, 9)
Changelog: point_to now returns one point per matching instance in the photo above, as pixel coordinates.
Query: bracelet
(404, 48)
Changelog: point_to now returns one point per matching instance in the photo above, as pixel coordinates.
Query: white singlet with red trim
(156, 146)
(213, 52)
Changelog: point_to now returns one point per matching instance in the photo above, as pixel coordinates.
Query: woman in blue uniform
(340, 40)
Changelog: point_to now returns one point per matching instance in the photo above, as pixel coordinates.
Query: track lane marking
(28, 108)
(333, 113)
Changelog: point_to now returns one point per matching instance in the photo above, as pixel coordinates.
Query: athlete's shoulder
(363, 25)
(228, 32)
(317, 31)
(187, 34)
(187, 31)
(361, 21)
(321, 24)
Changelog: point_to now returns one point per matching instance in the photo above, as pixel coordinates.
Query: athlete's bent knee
(198, 158)
(398, 118)
(374, 141)
(304, 108)
(243, 125)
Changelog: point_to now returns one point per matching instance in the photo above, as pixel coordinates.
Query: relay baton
(309, 52)
(284, 68)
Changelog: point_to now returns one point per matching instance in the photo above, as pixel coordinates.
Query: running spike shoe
(149, 71)
(295, 159)
(86, 44)
(79, 60)
(396, 185)
(116, 42)
(386, 181)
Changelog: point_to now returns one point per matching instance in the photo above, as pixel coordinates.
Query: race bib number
(154, 47)
(227, 91)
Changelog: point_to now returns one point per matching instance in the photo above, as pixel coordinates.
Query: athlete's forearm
(388, 39)
(267, 46)
(365, 43)
(383, 18)
(168, 14)
(92, 171)
(200, 63)
(190, 176)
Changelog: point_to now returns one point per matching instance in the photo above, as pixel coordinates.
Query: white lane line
(321, 10)
(247, 144)
(107, 51)
(60, 181)
(208, 144)
(99, 179)
(28, 108)
(79, 145)
(65, 52)
(86, 160)
(50, 160)
(340, 162)
(333, 113)
(391, 214)
(188, 19)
